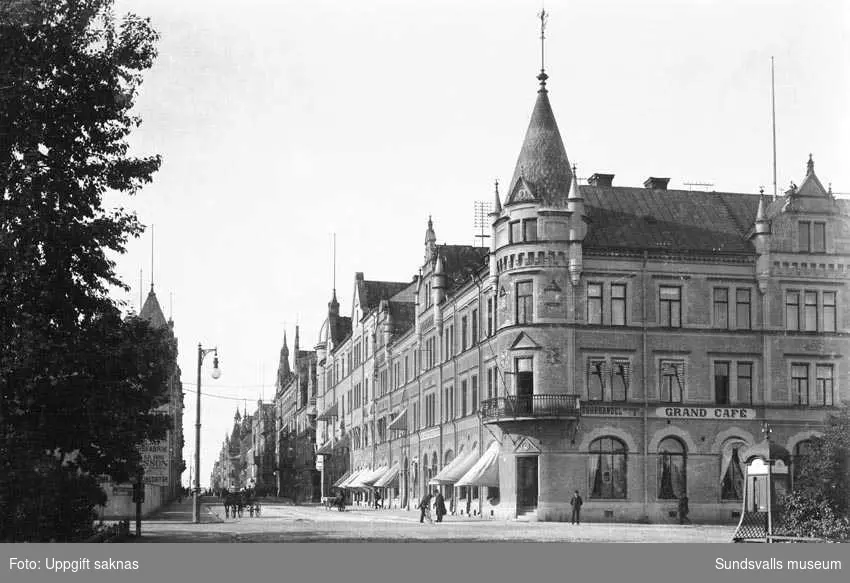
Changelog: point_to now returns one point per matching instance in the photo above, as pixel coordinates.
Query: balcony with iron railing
(528, 407)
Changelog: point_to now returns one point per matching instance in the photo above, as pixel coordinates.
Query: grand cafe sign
(705, 413)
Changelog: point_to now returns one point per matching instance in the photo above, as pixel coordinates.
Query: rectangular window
(828, 311)
(524, 302)
(491, 383)
(743, 311)
(672, 375)
(474, 328)
(516, 232)
(464, 330)
(745, 383)
(671, 306)
(474, 395)
(804, 236)
(463, 396)
(721, 383)
(824, 385)
(800, 384)
(529, 226)
(792, 311)
(596, 379)
(618, 304)
(620, 379)
(810, 311)
(490, 317)
(819, 238)
(594, 303)
(721, 307)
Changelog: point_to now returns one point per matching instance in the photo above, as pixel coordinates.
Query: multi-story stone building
(625, 342)
(295, 422)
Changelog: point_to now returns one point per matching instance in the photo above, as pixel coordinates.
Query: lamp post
(202, 353)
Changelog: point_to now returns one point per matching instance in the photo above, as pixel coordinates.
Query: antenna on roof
(334, 261)
(773, 118)
(705, 185)
(151, 257)
(482, 219)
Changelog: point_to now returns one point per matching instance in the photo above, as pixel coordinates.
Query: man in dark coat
(439, 506)
(683, 509)
(425, 508)
(576, 503)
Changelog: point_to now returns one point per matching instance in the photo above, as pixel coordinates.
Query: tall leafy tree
(77, 381)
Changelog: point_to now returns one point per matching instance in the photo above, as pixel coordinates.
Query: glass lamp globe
(216, 372)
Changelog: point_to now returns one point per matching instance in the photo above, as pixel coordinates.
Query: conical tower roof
(152, 312)
(542, 170)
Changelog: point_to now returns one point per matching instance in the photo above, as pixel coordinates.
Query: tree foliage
(819, 505)
(78, 382)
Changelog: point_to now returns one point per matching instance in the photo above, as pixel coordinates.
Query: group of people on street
(439, 507)
(235, 503)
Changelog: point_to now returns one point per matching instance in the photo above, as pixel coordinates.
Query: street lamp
(216, 373)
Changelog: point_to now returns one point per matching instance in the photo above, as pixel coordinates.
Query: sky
(281, 122)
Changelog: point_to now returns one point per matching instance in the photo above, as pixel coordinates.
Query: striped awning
(399, 423)
(485, 472)
(389, 477)
(368, 478)
(329, 413)
(455, 469)
(351, 479)
(342, 480)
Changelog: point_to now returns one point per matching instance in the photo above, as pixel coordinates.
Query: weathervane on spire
(544, 18)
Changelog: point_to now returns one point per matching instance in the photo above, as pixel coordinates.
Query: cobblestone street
(285, 523)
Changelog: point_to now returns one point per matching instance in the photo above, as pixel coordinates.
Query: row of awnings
(465, 470)
(471, 470)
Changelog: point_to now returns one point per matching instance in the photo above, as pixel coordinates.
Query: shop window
(732, 471)
(607, 468)
(672, 469)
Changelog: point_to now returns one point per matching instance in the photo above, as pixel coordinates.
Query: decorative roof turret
(542, 173)
(811, 186)
(152, 312)
(430, 241)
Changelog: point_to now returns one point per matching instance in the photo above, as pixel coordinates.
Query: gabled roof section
(542, 161)
(524, 341)
(461, 261)
(152, 312)
(372, 292)
(669, 220)
(811, 185)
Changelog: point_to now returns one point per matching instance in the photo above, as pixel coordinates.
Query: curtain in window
(732, 473)
(595, 476)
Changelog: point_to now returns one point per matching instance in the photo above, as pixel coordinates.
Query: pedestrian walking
(439, 506)
(377, 499)
(683, 509)
(576, 503)
(425, 509)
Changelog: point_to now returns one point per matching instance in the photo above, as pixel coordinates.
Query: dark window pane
(594, 303)
(792, 311)
(819, 238)
(828, 311)
(745, 382)
(804, 227)
(530, 228)
(721, 383)
(516, 233)
(810, 313)
(721, 307)
(618, 304)
(743, 317)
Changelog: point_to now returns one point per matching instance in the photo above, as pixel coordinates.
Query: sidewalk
(182, 511)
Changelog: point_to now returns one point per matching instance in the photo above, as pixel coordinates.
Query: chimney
(656, 183)
(601, 180)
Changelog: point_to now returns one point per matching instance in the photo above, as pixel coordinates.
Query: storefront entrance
(526, 487)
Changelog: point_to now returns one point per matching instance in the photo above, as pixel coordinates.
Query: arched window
(672, 469)
(433, 465)
(732, 470)
(448, 457)
(607, 468)
(801, 451)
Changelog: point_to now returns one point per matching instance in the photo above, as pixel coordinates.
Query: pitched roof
(460, 261)
(374, 291)
(674, 220)
(542, 163)
(152, 312)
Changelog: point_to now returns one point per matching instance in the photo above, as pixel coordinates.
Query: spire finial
(810, 166)
(544, 17)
